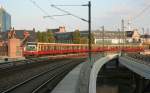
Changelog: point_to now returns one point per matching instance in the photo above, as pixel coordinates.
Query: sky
(25, 15)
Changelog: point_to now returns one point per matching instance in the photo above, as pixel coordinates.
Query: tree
(39, 36)
(45, 37)
(76, 37)
(92, 39)
(51, 38)
(84, 40)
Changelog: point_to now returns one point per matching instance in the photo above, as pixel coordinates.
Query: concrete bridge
(83, 79)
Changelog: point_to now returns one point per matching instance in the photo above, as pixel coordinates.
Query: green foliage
(51, 38)
(92, 39)
(39, 36)
(84, 40)
(76, 37)
(45, 37)
(48, 37)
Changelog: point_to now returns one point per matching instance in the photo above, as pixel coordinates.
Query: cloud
(146, 2)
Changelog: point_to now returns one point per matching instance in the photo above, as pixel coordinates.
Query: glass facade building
(5, 20)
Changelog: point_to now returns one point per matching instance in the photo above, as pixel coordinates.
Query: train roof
(63, 44)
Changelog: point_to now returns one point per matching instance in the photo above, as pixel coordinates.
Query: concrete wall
(96, 68)
(140, 67)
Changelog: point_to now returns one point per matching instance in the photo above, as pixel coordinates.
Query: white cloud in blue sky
(104, 12)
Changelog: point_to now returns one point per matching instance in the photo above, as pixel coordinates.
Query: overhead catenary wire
(141, 12)
(67, 5)
(69, 13)
(55, 15)
(52, 16)
(40, 8)
(47, 14)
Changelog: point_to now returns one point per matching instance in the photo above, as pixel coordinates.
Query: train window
(31, 48)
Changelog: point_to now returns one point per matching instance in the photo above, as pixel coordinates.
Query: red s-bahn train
(39, 49)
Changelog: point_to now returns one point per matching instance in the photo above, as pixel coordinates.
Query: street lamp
(124, 35)
(103, 33)
(119, 37)
(0, 27)
(88, 21)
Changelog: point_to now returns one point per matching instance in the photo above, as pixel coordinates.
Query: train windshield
(31, 47)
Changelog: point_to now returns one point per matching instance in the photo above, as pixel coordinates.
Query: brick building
(110, 37)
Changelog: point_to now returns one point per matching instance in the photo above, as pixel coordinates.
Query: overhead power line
(55, 15)
(68, 12)
(40, 8)
(47, 14)
(141, 12)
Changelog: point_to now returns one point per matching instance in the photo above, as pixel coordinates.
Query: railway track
(11, 64)
(45, 81)
(11, 69)
(15, 74)
(145, 58)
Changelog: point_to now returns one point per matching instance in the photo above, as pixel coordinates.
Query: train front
(30, 50)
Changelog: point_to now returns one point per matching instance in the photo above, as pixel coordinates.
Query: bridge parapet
(145, 59)
(83, 77)
(83, 82)
(140, 67)
(96, 68)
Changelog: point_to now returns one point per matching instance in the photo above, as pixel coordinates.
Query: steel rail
(54, 77)
(10, 64)
(34, 77)
(25, 66)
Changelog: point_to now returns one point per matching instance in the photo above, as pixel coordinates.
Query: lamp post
(0, 27)
(119, 37)
(88, 21)
(124, 35)
(103, 33)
